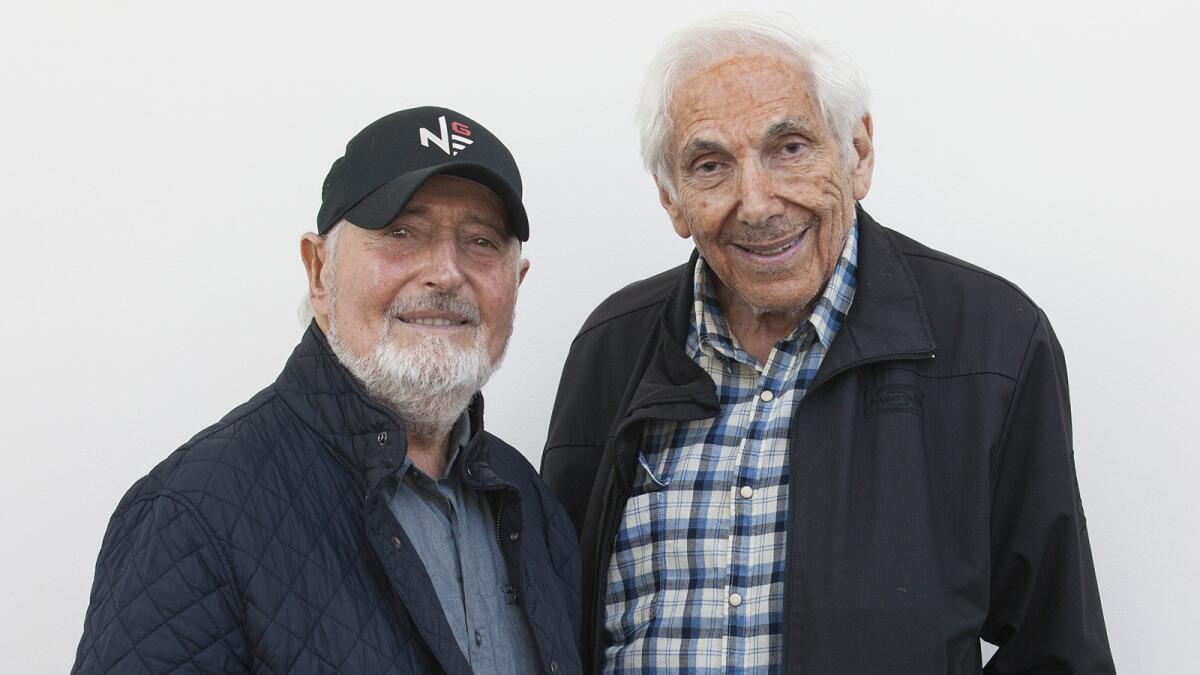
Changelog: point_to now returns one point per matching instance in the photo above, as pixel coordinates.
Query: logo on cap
(450, 143)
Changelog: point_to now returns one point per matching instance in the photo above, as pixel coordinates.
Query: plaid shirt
(695, 582)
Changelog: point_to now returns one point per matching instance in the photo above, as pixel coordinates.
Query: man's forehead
(765, 87)
(719, 77)
(472, 201)
(757, 94)
(453, 191)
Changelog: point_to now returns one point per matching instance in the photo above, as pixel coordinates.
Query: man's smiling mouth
(773, 250)
(434, 320)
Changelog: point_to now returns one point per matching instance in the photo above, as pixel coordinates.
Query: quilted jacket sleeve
(1045, 614)
(163, 600)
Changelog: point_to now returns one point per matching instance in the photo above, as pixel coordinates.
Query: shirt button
(478, 639)
(766, 395)
(554, 666)
(735, 599)
(396, 542)
(514, 535)
(747, 492)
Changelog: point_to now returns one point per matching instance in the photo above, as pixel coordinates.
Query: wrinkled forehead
(758, 93)
(698, 68)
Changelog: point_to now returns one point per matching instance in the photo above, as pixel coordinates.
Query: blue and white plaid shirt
(695, 583)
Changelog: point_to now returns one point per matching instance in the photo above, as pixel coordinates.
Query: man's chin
(436, 360)
(442, 359)
(401, 335)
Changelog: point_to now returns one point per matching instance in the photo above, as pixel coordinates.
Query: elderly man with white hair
(818, 446)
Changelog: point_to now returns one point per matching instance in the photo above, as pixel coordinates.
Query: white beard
(429, 383)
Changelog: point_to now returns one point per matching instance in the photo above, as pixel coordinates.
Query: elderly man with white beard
(354, 516)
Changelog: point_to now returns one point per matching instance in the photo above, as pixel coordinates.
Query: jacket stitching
(948, 376)
(1012, 403)
(211, 540)
(649, 305)
(975, 270)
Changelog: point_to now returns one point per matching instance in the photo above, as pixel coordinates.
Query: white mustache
(435, 302)
(768, 231)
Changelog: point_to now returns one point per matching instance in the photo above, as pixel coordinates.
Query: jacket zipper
(499, 511)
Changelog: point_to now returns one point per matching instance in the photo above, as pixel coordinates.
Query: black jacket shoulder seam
(610, 319)
(975, 270)
(226, 423)
(1012, 403)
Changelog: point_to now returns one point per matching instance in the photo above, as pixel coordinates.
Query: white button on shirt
(659, 604)
(747, 492)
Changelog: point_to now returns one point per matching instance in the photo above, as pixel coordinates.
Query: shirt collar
(711, 327)
(460, 435)
(831, 308)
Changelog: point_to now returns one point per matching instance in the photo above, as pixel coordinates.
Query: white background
(159, 161)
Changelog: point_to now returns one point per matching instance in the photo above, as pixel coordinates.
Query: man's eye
(400, 232)
(793, 148)
(707, 167)
(484, 242)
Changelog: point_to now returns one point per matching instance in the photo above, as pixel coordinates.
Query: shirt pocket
(633, 593)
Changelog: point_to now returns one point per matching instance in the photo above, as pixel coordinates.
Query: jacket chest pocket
(633, 583)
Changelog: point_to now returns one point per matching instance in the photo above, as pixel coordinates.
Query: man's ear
(864, 157)
(523, 272)
(672, 208)
(314, 253)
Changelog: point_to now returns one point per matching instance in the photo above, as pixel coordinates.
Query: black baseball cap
(387, 163)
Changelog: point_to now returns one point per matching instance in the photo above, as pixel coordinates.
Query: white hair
(838, 86)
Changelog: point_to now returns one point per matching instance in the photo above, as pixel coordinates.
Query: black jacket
(932, 494)
(265, 544)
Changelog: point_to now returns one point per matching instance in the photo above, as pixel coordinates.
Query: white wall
(161, 159)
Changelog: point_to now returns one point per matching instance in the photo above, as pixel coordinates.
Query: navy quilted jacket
(265, 545)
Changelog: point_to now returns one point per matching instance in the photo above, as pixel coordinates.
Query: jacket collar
(670, 376)
(886, 320)
(366, 435)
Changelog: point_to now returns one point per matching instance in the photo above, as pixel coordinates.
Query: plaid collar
(711, 329)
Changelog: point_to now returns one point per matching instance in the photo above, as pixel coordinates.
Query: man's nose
(442, 269)
(757, 201)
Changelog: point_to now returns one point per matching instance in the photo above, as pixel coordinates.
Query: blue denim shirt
(454, 531)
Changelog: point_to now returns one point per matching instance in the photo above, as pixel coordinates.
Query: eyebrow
(785, 126)
(789, 125)
(420, 210)
(699, 147)
(411, 209)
